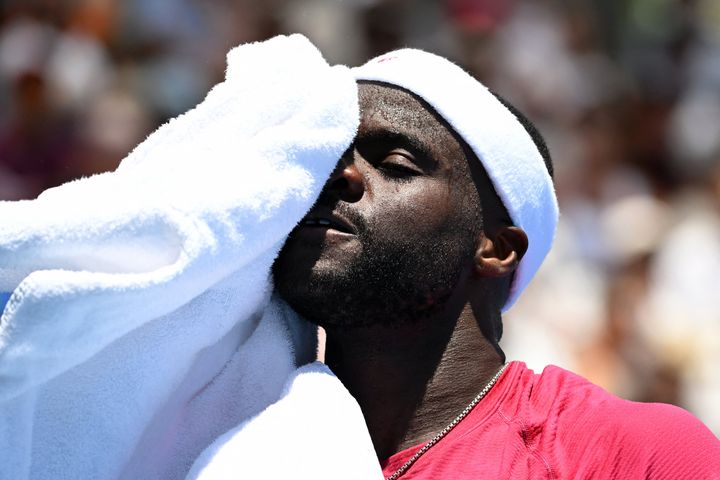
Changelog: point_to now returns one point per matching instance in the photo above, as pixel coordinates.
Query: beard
(390, 282)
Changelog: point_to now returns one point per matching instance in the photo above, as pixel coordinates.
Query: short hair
(532, 130)
(539, 142)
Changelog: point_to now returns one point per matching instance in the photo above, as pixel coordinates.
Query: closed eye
(395, 153)
(398, 164)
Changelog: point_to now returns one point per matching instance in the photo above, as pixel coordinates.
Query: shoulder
(582, 420)
(668, 441)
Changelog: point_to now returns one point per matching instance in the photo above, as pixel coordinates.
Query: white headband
(506, 150)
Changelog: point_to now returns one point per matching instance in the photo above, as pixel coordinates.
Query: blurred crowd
(627, 94)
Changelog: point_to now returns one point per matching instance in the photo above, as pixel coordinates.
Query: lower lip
(322, 232)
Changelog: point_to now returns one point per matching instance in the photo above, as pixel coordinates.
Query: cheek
(420, 207)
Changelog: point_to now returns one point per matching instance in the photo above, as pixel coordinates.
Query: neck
(412, 381)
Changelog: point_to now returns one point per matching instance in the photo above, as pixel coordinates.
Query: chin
(385, 282)
(347, 298)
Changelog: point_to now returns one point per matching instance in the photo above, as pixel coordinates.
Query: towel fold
(140, 326)
(315, 412)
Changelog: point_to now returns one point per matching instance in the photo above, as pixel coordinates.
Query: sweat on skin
(410, 295)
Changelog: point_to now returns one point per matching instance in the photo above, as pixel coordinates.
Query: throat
(412, 382)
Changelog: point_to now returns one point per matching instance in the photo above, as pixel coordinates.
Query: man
(430, 226)
(141, 337)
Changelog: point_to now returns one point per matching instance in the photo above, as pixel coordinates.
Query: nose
(346, 181)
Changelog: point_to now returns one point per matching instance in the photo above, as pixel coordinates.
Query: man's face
(395, 227)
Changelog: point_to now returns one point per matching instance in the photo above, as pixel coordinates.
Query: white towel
(316, 411)
(140, 327)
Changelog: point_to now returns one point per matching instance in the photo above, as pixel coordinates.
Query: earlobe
(498, 255)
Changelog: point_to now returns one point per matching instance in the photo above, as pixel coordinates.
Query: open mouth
(335, 223)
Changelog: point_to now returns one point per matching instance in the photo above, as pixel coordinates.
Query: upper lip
(331, 220)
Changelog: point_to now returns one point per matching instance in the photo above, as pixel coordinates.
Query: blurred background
(626, 92)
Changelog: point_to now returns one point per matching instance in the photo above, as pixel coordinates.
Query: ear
(499, 254)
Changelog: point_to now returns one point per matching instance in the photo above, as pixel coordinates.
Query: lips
(330, 221)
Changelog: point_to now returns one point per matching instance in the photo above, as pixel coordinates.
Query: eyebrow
(424, 155)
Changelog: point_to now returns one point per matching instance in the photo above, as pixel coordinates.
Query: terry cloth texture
(140, 326)
(501, 143)
(316, 430)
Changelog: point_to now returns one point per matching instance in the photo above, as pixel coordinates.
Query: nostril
(340, 183)
(346, 183)
(354, 184)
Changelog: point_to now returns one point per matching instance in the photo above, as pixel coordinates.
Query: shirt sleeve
(664, 442)
(682, 447)
(592, 434)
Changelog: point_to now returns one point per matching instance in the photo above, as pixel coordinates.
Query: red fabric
(557, 425)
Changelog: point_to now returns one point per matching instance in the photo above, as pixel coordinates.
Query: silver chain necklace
(447, 429)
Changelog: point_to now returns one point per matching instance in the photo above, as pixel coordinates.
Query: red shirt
(557, 425)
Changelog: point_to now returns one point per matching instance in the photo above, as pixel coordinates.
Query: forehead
(388, 108)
